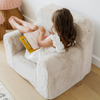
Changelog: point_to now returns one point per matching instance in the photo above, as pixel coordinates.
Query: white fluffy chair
(56, 73)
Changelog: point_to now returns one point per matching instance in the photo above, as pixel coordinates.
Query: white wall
(88, 8)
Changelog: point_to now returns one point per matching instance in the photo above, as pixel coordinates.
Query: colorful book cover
(26, 44)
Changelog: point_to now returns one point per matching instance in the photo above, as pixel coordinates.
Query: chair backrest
(44, 16)
(83, 25)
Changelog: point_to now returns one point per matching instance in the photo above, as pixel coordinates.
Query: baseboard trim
(28, 19)
(96, 61)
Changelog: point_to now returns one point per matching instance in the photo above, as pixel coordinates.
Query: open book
(30, 40)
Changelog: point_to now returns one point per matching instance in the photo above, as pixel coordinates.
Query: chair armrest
(54, 70)
(12, 44)
(46, 67)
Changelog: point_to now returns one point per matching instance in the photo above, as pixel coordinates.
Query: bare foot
(19, 21)
(11, 21)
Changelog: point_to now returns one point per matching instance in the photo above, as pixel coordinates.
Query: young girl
(63, 39)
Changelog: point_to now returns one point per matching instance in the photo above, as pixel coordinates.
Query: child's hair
(63, 24)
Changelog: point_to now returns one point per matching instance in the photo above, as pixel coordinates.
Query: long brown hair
(63, 24)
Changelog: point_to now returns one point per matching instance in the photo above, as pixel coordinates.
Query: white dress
(43, 51)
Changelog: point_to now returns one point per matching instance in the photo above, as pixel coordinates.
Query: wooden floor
(21, 89)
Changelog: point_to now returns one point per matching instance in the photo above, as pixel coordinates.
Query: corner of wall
(26, 18)
(96, 61)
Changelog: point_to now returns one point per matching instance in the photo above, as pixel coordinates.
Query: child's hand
(42, 30)
(51, 32)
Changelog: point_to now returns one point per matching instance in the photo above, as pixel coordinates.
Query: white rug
(4, 94)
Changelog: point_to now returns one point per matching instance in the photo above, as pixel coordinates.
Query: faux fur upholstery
(57, 72)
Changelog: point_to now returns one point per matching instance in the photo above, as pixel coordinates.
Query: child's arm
(41, 41)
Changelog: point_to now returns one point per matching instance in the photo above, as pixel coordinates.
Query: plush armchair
(57, 72)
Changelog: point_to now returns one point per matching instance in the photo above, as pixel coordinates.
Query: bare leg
(26, 24)
(19, 27)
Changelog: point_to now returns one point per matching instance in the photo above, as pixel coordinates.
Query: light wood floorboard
(21, 89)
